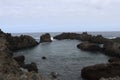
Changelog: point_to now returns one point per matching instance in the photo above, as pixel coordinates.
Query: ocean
(63, 57)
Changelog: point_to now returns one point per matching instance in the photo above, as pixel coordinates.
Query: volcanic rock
(112, 49)
(114, 60)
(87, 46)
(20, 60)
(31, 67)
(10, 68)
(67, 36)
(45, 38)
(101, 71)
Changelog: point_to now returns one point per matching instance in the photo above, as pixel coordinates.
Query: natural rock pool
(62, 57)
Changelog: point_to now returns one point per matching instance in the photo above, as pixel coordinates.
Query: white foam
(52, 38)
(111, 37)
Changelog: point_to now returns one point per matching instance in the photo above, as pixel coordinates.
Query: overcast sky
(59, 15)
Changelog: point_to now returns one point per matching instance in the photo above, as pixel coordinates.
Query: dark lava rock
(20, 60)
(114, 60)
(31, 67)
(116, 40)
(101, 71)
(45, 38)
(83, 37)
(22, 42)
(112, 49)
(10, 67)
(44, 57)
(99, 39)
(18, 42)
(87, 46)
(67, 36)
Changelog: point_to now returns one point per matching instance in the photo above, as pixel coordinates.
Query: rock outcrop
(87, 46)
(10, 68)
(99, 39)
(21, 42)
(45, 38)
(117, 40)
(18, 42)
(112, 49)
(101, 71)
(67, 36)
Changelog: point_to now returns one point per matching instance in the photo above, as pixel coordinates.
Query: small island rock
(45, 38)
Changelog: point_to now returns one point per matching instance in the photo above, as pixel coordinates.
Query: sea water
(63, 57)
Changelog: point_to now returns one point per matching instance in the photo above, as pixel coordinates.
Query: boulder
(45, 38)
(31, 67)
(87, 46)
(20, 60)
(98, 71)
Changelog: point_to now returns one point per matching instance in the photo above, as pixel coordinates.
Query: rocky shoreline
(109, 47)
(14, 68)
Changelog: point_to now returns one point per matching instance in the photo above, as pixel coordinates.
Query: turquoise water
(63, 57)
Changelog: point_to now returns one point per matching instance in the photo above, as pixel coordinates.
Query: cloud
(59, 12)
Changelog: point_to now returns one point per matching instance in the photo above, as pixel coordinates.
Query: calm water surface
(63, 57)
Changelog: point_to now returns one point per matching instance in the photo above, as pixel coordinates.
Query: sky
(59, 15)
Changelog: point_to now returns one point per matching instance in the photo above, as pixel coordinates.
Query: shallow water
(63, 57)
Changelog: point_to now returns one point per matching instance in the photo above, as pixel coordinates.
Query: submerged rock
(44, 57)
(54, 74)
(45, 38)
